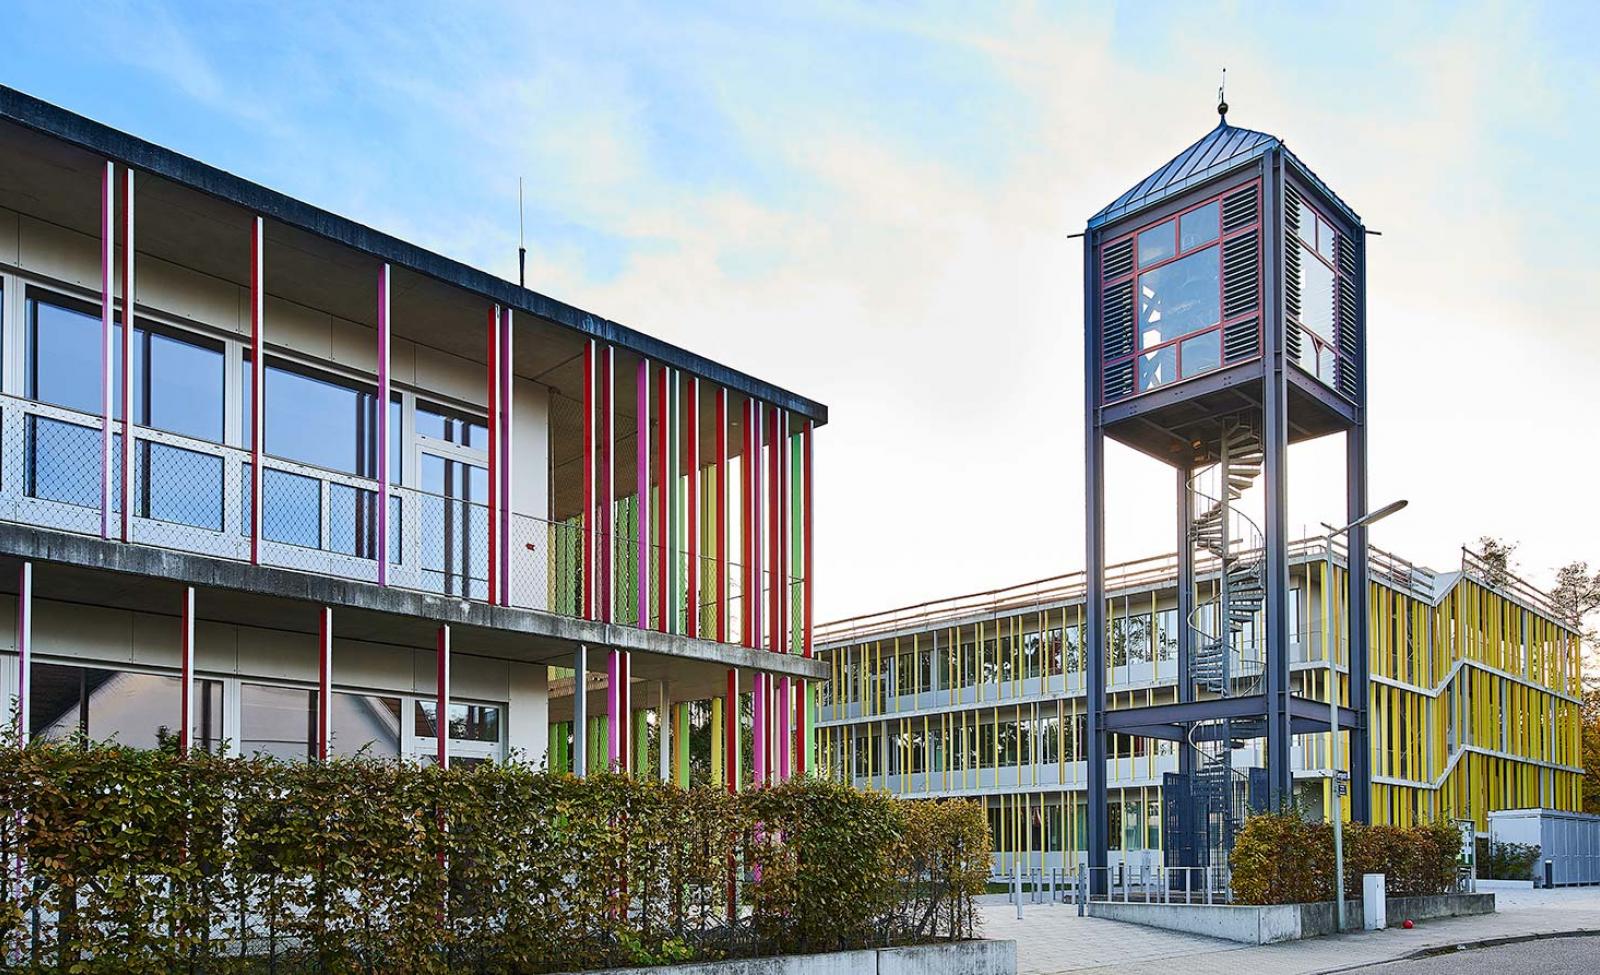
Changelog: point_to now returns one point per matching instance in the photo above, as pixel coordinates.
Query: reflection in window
(364, 724)
(1156, 244)
(1179, 298)
(177, 381)
(1202, 353)
(280, 722)
(137, 710)
(468, 722)
(63, 463)
(1158, 367)
(291, 507)
(453, 526)
(444, 424)
(323, 422)
(177, 485)
(1316, 294)
(1198, 226)
(64, 357)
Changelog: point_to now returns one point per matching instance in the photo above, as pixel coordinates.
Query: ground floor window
(134, 709)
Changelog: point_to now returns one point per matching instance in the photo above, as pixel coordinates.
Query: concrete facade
(496, 430)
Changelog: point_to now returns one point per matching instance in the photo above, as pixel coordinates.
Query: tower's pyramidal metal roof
(1218, 151)
(1224, 148)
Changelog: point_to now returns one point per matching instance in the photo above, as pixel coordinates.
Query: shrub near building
(139, 861)
(1284, 858)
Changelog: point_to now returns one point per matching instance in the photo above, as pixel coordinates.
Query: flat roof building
(1475, 699)
(273, 478)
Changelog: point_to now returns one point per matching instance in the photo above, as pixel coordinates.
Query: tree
(1495, 554)
(1576, 595)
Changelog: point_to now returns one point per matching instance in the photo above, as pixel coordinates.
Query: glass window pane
(366, 723)
(1198, 226)
(1202, 353)
(1307, 228)
(1181, 297)
(56, 707)
(1316, 294)
(137, 710)
(319, 422)
(468, 722)
(277, 721)
(185, 387)
(1158, 368)
(291, 507)
(1326, 238)
(177, 485)
(64, 358)
(444, 424)
(1325, 364)
(64, 463)
(1156, 244)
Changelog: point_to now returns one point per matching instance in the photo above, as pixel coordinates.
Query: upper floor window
(177, 379)
(1313, 270)
(1180, 296)
(442, 423)
(320, 420)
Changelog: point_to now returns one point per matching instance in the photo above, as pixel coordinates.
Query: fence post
(1016, 884)
(1077, 890)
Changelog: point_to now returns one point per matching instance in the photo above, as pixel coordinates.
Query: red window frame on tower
(1131, 278)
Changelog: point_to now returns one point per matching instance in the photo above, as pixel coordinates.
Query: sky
(873, 206)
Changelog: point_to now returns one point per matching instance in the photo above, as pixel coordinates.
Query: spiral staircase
(1221, 663)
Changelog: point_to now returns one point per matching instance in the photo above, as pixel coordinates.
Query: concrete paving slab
(1052, 939)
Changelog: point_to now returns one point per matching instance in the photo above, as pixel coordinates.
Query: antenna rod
(1222, 96)
(522, 250)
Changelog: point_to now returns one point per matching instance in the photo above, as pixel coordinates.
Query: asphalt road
(1548, 956)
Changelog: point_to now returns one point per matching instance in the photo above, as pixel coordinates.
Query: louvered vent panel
(1239, 210)
(1241, 340)
(1116, 259)
(1118, 322)
(1291, 275)
(1118, 381)
(1347, 311)
(1241, 277)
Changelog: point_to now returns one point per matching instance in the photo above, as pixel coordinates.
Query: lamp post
(1336, 814)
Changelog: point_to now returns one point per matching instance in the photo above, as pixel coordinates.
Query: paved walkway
(1052, 938)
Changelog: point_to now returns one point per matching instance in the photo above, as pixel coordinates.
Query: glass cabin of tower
(1203, 275)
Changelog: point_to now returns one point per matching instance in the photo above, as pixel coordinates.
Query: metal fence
(197, 496)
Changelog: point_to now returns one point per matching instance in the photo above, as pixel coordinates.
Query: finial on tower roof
(1222, 97)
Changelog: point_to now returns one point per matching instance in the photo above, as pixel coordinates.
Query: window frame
(1131, 280)
(1319, 345)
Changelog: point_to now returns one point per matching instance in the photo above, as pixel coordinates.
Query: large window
(279, 722)
(138, 710)
(321, 421)
(365, 724)
(177, 380)
(1313, 269)
(1180, 295)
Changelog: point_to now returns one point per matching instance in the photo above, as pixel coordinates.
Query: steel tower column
(1360, 750)
(1185, 471)
(1275, 450)
(1094, 644)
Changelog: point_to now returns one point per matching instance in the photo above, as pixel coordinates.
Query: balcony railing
(195, 496)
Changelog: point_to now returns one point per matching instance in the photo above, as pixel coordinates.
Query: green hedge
(138, 861)
(1284, 858)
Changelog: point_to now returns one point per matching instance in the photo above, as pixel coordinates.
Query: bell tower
(1225, 318)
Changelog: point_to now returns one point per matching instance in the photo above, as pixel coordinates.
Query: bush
(143, 862)
(1284, 858)
(1507, 861)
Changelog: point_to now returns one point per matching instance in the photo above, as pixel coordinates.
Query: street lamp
(1337, 812)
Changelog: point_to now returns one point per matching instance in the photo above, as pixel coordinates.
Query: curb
(1460, 946)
